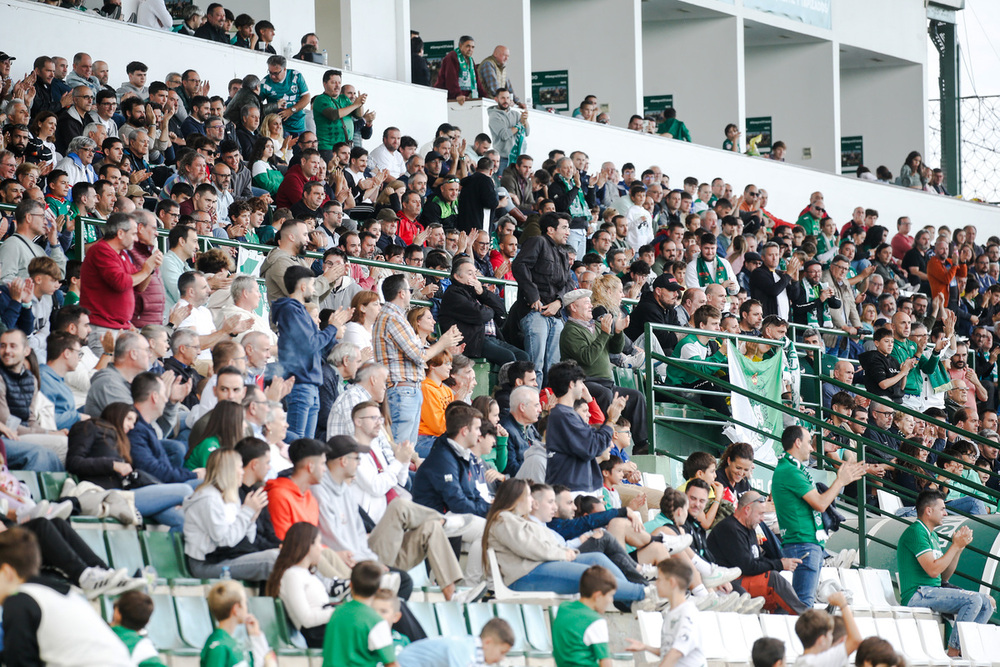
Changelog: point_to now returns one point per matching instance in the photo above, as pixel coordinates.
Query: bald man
(492, 77)
(842, 371)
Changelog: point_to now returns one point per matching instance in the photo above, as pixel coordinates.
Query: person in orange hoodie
(289, 499)
(945, 274)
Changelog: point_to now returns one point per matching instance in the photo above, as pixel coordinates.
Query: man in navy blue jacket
(148, 453)
(302, 346)
(444, 482)
(572, 444)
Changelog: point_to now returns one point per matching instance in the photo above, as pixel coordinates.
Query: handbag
(138, 479)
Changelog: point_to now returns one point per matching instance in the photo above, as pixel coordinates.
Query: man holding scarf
(458, 72)
(509, 127)
(812, 299)
(568, 196)
(909, 342)
(709, 269)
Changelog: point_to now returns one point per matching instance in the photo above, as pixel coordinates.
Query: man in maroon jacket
(108, 277)
(150, 295)
(458, 72)
(309, 168)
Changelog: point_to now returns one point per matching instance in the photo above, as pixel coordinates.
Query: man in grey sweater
(17, 251)
(406, 535)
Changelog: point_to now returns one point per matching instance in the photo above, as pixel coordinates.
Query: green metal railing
(860, 445)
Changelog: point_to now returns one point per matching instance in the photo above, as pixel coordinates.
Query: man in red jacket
(310, 168)
(108, 277)
(457, 74)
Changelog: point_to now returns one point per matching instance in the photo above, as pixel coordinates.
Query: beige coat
(522, 545)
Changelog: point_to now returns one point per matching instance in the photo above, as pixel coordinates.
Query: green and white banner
(764, 379)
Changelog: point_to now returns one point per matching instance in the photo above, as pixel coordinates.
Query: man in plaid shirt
(398, 348)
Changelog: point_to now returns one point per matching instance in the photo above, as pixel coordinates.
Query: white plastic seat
(505, 594)
(654, 481)
(793, 636)
(851, 580)
(711, 638)
(887, 629)
(650, 631)
(971, 641)
(751, 628)
(913, 646)
(930, 635)
(736, 646)
(774, 625)
(888, 502)
(875, 589)
(866, 624)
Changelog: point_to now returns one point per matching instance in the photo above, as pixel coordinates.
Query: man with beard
(915, 261)
(292, 239)
(812, 299)
(658, 307)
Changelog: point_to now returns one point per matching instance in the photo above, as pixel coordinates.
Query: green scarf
(812, 293)
(577, 207)
(707, 278)
(515, 150)
(467, 76)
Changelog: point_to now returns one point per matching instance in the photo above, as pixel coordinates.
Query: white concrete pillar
(805, 107)
(373, 35)
(600, 43)
(708, 48)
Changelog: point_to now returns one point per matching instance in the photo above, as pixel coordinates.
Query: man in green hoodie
(696, 351)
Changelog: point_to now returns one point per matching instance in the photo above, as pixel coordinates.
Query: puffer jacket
(151, 303)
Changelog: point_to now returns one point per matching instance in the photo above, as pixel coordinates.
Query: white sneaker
(706, 602)
(752, 606)
(454, 524)
(676, 543)
(731, 601)
(61, 510)
(41, 509)
(647, 570)
(96, 581)
(470, 594)
(651, 602)
(720, 575)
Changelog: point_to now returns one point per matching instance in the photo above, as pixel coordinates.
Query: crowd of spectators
(321, 432)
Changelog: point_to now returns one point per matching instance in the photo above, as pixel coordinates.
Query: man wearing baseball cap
(656, 306)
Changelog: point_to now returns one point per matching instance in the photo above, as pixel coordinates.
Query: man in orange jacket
(944, 273)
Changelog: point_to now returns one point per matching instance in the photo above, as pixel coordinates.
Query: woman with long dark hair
(223, 431)
(100, 452)
(305, 594)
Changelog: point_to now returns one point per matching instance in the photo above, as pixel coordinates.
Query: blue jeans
(968, 505)
(541, 340)
(564, 578)
(25, 456)
(965, 605)
(176, 451)
(404, 410)
(159, 502)
(805, 578)
(303, 412)
(578, 239)
(424, 444)
(499, 352)
(254, 566)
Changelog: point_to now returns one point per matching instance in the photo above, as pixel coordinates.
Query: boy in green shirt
(386, 604)
(356, 636)
(227, 602)
(580, 631)
(132, 612)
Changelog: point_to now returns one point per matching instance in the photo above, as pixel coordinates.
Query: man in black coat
(477, 199)
(657, 306)
(476, 312)
(543, 275)
(811, 299)
(770, 286)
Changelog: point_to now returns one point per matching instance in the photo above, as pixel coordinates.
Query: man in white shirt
(384, 468)
(815, 630)
(194, 291)
(387, 156)
(246, 299)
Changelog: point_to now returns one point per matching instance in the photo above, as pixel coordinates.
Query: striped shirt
(397, 346)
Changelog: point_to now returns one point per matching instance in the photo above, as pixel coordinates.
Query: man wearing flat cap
(590, 343)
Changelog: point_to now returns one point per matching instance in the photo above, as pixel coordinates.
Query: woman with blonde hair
(737, 250)
(366, 307)
(606, 296)
(215, 522)
(272, 128)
